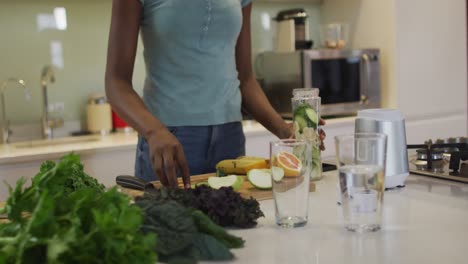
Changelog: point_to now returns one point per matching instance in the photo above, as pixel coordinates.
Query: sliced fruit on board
(289, 163)
(239, 166)
(247, 190)
(233, 181)
(250, 158)
(260, 178)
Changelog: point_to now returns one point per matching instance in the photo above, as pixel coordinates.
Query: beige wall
(24, 51)
(372, 25)
(431, 58)
(424, 58)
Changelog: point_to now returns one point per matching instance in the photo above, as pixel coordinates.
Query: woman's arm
(166, 152)
(254, 100)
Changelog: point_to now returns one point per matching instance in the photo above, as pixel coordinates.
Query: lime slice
(260, 178)
(233, 181)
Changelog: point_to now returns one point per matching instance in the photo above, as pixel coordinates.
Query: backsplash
(72, 35)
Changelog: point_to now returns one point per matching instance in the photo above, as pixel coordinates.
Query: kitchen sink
(57, 142)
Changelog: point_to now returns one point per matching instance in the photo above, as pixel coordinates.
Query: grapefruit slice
(289, 163)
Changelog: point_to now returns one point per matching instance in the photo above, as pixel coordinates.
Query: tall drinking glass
(361, 167)
(291, 164)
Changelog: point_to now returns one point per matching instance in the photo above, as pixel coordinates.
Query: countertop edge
(118, 141)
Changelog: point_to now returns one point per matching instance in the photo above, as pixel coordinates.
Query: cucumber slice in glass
(312, 116)
(301, 122)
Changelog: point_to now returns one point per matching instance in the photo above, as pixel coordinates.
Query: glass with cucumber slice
(306, 105)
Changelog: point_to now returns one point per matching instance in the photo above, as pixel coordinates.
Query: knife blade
(133, 183)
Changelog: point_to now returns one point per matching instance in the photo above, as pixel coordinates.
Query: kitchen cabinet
(259, 145)
(103, 165)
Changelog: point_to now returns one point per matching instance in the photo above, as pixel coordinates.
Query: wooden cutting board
(247, 190)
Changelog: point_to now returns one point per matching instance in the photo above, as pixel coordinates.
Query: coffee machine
(292, 30)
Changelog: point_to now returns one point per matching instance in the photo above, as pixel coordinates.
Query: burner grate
(430, 157)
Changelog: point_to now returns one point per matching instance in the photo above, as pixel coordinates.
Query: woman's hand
(322, 134)
(288, 132)
(167, 157)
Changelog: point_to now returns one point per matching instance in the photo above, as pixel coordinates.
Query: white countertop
(425, 222)
(13, 153)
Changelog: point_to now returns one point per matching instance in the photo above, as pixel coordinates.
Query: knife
(133, 183)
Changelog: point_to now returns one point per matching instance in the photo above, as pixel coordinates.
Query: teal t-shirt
(189, 52)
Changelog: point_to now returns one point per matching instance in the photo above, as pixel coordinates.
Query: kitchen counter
(424, 222)
(40, 150)
(53, 149)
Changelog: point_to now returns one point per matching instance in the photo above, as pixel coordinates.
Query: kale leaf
(185, 235)
(224, 206)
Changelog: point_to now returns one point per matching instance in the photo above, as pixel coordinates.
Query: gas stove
(443, 158)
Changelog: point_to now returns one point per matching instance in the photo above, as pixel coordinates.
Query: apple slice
(233, 181)
(260, 178)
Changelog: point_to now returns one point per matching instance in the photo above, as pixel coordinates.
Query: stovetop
(447, 159)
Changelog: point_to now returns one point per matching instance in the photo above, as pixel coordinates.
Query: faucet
(48, 124)
(6, 132)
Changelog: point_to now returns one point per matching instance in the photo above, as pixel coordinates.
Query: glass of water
(291, 164)
(361, 167)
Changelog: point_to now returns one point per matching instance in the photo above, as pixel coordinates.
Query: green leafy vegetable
(207, 226)
(66, 217)
(210, 249)
(223, 206)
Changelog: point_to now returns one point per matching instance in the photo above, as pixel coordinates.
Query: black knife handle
(133, 183)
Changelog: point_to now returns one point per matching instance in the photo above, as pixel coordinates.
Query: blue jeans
(204, 146)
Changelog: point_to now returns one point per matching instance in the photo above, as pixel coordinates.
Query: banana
(239, 166)
(249, 158)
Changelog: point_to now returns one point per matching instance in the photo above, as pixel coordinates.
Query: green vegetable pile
(186, 235)
(75, 177)
(223, 206)
(66, 217)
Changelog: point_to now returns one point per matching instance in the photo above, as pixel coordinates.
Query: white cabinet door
(259, 145)
(104, 166)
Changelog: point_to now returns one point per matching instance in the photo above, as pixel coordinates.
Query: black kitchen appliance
(443, 158)
(348, 80)
(293, 27)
